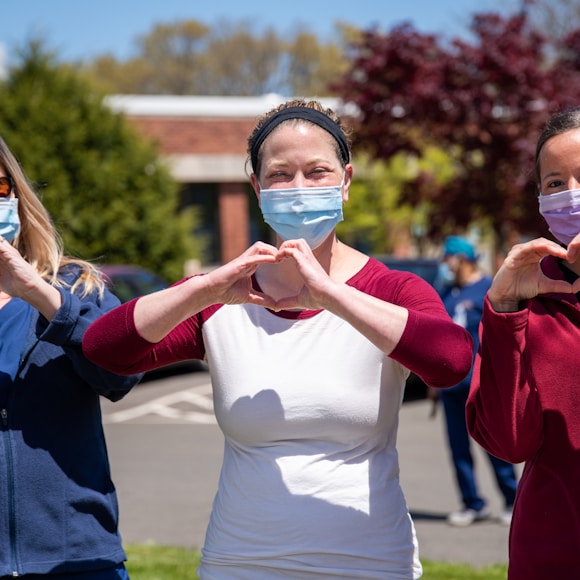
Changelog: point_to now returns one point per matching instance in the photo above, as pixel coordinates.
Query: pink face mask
(562, 214)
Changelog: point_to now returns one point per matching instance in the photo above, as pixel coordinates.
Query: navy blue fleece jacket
(58, 505)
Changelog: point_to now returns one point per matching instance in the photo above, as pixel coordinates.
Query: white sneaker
(505, 518)
(467, 517)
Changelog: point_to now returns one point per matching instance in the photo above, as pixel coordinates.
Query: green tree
(240, 63)
(229, 59)
(111, 199)
(313, 65)
(377, 217)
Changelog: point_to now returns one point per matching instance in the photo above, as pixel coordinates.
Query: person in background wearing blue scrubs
(463, 299)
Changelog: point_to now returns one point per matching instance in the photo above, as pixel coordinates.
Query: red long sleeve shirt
(524, 406)
(432, 345)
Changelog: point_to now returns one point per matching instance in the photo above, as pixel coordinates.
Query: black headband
(307, 114)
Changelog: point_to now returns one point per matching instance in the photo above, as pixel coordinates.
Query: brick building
(203, 141)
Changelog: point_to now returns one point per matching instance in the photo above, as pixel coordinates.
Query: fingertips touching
(573, 252)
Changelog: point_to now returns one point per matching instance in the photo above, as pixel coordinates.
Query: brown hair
(340, 133)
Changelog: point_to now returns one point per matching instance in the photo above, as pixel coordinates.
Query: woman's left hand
(317, 282)
(383, 323)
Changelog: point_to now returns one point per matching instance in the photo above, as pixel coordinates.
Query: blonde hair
(38, 241)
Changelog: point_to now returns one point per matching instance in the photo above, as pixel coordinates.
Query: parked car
(127, 281)
(427, 268)
(430, 270)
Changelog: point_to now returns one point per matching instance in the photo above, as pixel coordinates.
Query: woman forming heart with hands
(524, 401)
(308, 342)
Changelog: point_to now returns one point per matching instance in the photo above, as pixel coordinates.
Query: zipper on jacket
(10, 483)
(25, 355)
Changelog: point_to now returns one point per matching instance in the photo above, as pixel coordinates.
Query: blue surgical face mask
(303, 212)
(9, 220)
(562, 214)
(446, 277)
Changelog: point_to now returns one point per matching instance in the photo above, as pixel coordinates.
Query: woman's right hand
(156, 314)
(520, 277)
(232, 282)
(20, 279)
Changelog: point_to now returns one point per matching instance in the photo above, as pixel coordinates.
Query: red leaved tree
(483, 101)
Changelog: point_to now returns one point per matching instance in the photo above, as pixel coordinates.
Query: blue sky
(82, 30)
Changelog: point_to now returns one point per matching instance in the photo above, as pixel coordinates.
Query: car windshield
(427, 268)
(129, 283)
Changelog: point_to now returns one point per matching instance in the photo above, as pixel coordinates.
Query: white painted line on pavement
(169, 407)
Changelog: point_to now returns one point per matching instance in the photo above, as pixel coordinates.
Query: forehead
(296, 135)
(562, 147)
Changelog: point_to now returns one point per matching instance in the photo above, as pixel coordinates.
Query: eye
(276, 179)
(554, 184)
(319, 173)
(277, 175)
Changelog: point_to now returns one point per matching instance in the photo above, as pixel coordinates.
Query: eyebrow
(551, 174)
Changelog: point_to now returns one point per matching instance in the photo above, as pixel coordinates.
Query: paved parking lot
(166, 450)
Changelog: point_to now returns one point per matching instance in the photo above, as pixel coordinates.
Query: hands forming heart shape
(521, 276)
(233, 281)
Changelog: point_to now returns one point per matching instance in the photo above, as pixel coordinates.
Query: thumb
(558, 286)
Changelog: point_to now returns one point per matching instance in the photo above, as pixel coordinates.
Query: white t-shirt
(309, 487)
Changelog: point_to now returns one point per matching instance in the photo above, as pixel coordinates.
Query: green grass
(445, 571)
(153, 562)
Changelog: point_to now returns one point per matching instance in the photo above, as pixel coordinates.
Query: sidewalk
(429, 486)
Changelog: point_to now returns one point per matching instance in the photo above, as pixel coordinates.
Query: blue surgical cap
(456, 245)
